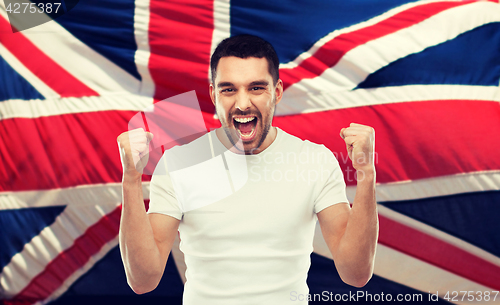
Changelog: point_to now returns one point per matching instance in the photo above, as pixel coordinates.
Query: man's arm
(145, 241)
(351, 233)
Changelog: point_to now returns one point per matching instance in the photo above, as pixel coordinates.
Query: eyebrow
(225, 84)
(254, 83)
(259, 83)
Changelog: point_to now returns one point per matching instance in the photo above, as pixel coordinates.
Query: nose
(243, 101)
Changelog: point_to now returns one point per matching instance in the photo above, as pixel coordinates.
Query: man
(253, 245)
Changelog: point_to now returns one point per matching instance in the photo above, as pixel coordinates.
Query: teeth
(244, 120)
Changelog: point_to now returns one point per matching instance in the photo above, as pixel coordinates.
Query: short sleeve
(162, 197)
(332, 187)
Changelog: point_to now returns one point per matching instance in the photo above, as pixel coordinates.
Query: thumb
(342, 133)
(149, 136)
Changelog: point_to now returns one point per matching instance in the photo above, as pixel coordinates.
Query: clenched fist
(134, 151)
(360, 143)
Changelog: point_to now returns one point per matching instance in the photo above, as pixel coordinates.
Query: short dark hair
(244, 46)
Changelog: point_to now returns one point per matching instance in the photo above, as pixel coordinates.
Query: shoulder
(295, 143)
(189, 153)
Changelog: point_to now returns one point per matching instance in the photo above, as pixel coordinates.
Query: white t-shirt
(247, 221)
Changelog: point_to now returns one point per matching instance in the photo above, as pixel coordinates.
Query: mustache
(245, 113)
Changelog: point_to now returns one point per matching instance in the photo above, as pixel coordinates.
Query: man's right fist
(134, 151)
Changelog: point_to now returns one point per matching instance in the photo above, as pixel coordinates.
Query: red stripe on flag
(47, 70)
(180, 39)
(70, 260)
(332, 51)
(414, 140)
(439, 253)
(61, 151)
(64, 150)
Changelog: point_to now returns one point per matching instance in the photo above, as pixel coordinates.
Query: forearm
(356, 251)
(140, 254)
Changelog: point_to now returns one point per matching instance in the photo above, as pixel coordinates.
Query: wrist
(131, 178)
(366, 174)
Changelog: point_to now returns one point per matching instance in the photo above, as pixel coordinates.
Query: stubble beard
(233, 135)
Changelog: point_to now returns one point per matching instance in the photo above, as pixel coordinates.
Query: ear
(211, 89)
(279, 90)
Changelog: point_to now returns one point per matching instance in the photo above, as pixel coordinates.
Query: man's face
(245, 97)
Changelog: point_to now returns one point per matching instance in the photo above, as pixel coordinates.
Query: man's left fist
(360, 143)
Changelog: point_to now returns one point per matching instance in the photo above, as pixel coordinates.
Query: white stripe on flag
(357, 64)
(52, 240)
(80, 196)
(221, 26)
(141, 33)
(420, 275)
(77, 274)
(24, 72)
(57, 106)
(297, 101)
(411, 271)
(435, 187)
(109, 194)
(356, 27)
(90, 67)
(367, 58)
(429, 230)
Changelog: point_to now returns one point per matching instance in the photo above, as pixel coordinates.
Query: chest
(274, 209)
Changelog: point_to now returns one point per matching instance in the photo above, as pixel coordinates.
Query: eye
(257, 88)
(227, 90)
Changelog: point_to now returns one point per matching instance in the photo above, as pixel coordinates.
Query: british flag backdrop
(424, 74)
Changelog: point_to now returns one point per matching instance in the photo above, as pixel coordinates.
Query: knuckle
(122, 135)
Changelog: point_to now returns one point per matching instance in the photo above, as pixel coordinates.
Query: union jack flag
(424, 74)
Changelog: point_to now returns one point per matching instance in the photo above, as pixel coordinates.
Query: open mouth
(245, 126)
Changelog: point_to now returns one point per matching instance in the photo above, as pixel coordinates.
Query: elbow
(141, 289)
(358, 281)
(144, 284)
